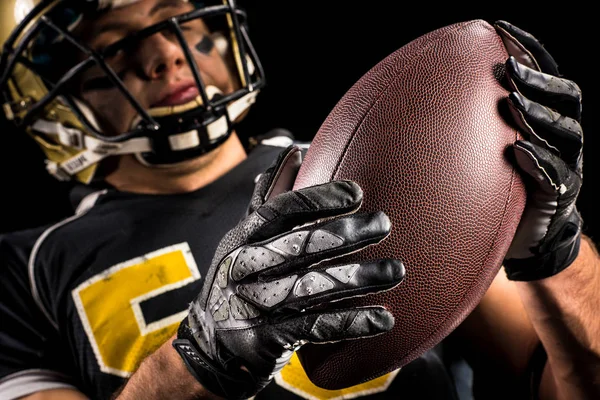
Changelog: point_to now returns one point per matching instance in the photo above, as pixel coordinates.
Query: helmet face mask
(167, 90)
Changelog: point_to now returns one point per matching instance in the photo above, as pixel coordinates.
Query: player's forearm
(564, 312)
(163, 375)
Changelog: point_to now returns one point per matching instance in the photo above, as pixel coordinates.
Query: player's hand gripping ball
(254, 310)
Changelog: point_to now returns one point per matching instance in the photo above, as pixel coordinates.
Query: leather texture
(424, 136)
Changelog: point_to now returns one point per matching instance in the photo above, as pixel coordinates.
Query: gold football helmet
(38, 36)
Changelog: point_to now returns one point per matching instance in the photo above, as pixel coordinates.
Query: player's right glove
(254, 309)
(547, 108)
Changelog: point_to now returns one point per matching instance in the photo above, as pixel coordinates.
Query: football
(425, 136)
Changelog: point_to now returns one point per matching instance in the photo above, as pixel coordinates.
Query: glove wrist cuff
(544, 265)
(211, 376)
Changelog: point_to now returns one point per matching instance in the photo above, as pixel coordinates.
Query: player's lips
(177, 95)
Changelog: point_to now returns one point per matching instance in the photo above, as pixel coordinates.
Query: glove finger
(560, 94)
(307, 205)
(295, 251)
(526, 48)
(313, 287)
(278, 178)
(562, 135)
(555, 182)
(281, 214)
(336, 325)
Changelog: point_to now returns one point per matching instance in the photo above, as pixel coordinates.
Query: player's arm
(564, 312)
(536, 328)
(527, 337)
(163, 375)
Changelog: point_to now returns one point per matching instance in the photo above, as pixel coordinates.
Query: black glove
(547, 108)
(254, 309)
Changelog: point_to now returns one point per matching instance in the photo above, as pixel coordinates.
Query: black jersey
(85, 300)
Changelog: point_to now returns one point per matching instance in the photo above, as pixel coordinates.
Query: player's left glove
(547, 108)
(256, 307)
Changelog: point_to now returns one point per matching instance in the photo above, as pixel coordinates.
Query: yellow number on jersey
(293, 378)
(109, 306)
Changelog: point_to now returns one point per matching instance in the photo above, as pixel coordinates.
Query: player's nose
(161, 55)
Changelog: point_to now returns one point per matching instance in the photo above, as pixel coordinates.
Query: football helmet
(43, 59)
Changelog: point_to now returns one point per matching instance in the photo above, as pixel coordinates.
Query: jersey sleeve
(30, 353)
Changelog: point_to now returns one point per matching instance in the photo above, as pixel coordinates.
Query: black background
(313, 52)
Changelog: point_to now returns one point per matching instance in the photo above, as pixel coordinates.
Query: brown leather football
(422, 134)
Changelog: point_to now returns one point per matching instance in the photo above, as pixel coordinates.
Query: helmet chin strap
(94, 150)
(216, 132)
